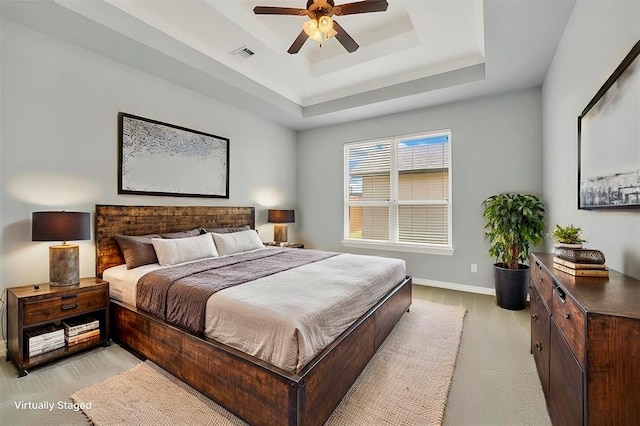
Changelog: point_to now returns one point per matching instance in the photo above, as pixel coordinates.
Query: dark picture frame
(608, 141)
(156, 158)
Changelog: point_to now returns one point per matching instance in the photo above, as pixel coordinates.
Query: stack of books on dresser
(581, 262)
(44, 339)
(81, 330)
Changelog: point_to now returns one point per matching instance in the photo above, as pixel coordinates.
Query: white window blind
(398, 191)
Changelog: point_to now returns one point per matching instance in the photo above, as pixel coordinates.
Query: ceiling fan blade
(274, 10)
(344, 38)
(297, 44)
(362, 7)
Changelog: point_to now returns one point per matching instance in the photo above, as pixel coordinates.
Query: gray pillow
(184, 234)
(228, 230)
(138, 250)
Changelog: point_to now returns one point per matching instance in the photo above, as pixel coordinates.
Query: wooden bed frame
(252, 389)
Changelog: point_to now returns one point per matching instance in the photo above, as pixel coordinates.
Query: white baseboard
(454, 286)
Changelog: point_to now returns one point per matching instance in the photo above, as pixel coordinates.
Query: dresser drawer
(570, 320)
(49, 309)
(542, 281)
(566, 382)
(540, 323)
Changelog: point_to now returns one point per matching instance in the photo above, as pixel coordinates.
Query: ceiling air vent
(243, 52)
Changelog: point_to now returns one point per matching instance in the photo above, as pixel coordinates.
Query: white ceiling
(418, 53)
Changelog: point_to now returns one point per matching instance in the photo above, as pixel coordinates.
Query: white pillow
(237, 242)
(178, 250)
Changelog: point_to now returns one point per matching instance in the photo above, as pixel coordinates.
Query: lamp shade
(60, 226)
(310, 26)
(281, 216)
(325, 24)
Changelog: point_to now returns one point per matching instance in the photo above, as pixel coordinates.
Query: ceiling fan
(321, 25)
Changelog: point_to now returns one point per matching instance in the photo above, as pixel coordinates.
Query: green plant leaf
(568, 234)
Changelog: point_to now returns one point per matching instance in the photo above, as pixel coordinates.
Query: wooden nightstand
(287, 245)
(30, 308)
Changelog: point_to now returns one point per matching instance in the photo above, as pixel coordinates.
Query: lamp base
(280, 233)
(64, 265)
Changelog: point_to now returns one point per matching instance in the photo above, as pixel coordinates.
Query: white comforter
(287, 318)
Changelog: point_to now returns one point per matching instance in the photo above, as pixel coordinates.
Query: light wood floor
(494, 382)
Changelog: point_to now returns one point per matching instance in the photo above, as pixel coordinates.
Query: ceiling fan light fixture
(321, 25)
(310, 27)
(317, 36)
(325, 24)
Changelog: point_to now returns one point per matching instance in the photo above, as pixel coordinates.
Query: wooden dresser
(585, 339)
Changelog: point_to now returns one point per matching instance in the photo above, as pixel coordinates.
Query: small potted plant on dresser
(567, 237)
(514, 224)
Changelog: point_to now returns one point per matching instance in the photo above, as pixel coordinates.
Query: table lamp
(64, 264)
(280, 218)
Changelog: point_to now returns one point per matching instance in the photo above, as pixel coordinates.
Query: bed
(257, 391)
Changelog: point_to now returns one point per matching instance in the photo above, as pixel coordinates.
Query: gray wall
(597, 37)
(59, 143)
(59, 148)
(496, 147)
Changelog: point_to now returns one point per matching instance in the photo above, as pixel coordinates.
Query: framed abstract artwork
(157, 158)
(609, 141)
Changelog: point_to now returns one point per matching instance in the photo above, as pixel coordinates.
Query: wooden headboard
(140, 220)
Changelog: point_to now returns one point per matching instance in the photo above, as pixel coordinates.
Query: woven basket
(581, 255)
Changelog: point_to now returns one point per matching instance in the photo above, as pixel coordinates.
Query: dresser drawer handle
(539, 346)
(534, 317)
(567, 316)
(559, 291)
(69, 306)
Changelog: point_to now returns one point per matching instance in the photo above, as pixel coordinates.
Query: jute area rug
(405, 383)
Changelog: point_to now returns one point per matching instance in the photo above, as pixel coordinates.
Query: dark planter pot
(512, 286)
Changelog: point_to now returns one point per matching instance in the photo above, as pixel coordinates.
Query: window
(398, 192)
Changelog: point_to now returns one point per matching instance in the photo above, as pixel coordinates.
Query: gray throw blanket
(179, 294)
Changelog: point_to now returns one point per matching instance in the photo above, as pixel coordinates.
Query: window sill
(410, 248)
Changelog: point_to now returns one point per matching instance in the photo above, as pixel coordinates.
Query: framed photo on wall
(158, 158)
(609, 141)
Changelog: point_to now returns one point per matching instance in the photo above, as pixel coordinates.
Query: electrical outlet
(474, 267)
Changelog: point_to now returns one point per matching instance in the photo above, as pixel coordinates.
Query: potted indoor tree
(514, 224)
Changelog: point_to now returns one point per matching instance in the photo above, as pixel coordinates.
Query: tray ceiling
(417, 53)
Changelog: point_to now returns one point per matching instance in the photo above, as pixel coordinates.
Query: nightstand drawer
(57, 307)
(570, 321)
